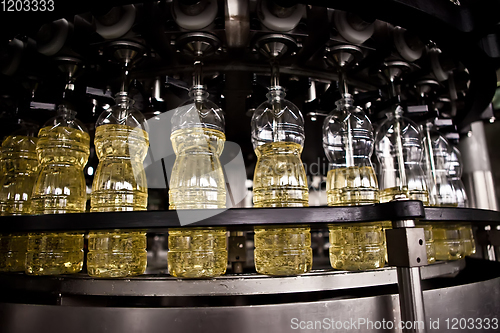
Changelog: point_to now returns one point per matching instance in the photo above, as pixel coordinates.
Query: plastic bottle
(447, 239)
(280, 181)
(121, 142)
(436, 166)
(348, 143)
(398, 147)
(455, 174)
(63, 151)
(399, 150)
(19, 164)
(197, 182)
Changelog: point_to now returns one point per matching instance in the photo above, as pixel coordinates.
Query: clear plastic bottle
(197, 182)
(280, 181)
(62, 150)
(398, 147)
(437, 168)
(121, 142)
(399, 150)
(348, 143)
(455, 173)
(20, 164)
(455, 176)
(447, 239)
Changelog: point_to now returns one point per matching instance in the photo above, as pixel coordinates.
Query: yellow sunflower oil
(448, 241)
(390, 194)
(18, 177)
(355, 246)
(468, 238)
(119, 185)
(280, 181)
(63, 151)
(197, 182)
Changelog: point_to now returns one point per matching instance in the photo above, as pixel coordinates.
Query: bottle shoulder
(19, 145)
(272, 148)
(122, 132)
(117, 116)
(198, 114)
(198, 139)
(62, 143)
(357, 128)
(66, 121)
(60, 132)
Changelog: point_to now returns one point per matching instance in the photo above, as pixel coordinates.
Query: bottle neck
(198, 93)
(345, 103)
(123, 101)
(123, 106)
(275, 94)
(65, 112)
(398, 112)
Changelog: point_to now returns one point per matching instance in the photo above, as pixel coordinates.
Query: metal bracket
(406, 250)
(237, 251)
(406, 247)
(494, 236)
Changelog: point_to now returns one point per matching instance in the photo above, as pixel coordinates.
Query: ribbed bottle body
(280, 181)
(119, 185)
(355, 246)
(197, 182)
(19, 170)
(59, 188)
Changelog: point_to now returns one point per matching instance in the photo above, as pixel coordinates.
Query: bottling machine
(433, 62)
